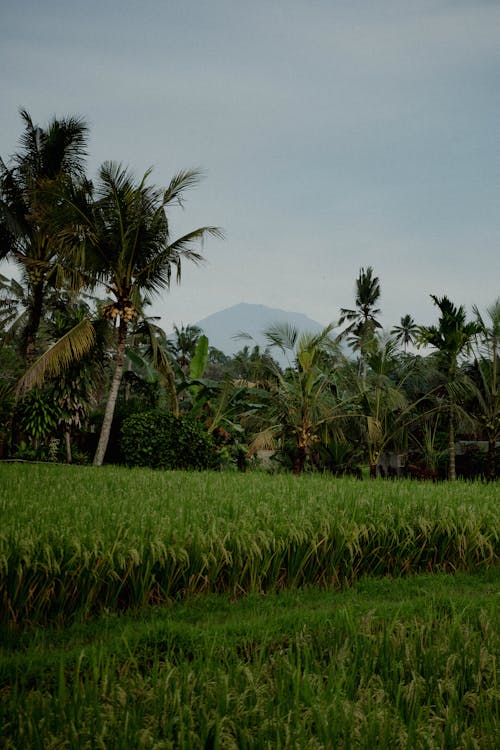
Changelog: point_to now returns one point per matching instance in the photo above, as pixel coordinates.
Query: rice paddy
(178, 610)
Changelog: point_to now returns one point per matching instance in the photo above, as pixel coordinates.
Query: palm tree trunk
(373, 457)
(112, 396)
(35, 316)
(300, 460)
(362, 366)
(451, 445)
(67, 442)
(171, 389)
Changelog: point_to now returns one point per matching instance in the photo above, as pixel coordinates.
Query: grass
(302, 612)
(406, 663)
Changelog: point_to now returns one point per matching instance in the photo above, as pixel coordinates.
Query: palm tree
(304, 402)
(383, 402)
(362, 319)
(125, 232)
(487, 366)
(405, 333)
(47, 156)
(184, 343)
(452, 338)
(388, 405)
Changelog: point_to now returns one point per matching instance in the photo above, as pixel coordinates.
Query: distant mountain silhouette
(223, 326)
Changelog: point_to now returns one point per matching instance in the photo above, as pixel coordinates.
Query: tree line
(80, 354)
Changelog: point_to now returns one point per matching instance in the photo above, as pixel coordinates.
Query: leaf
(68, 349)
(200, 359)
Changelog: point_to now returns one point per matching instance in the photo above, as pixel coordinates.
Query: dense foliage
(162, 609)
(161, 441)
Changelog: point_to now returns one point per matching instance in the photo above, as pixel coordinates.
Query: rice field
(404, 663)
(75, 542)
(158, 610)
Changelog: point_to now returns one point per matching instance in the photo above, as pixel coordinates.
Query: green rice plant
(389, 663)
(75, 541)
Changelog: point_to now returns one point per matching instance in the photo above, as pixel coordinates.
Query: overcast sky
(334, 134)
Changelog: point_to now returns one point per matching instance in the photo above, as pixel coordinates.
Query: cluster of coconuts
(127, 313)
(35, 276)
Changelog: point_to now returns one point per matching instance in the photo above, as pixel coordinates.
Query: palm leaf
(162, 365)
(68, 349)
(265, 440)
(183, 180)
(282, 335)
(200, 358)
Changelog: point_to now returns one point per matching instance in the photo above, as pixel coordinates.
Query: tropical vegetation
(167, 599)
(80, 353)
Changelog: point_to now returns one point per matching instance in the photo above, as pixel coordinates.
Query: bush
(161, 441)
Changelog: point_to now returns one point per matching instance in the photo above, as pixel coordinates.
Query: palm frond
(142, 365)
(282, 335)
(68, 349)
(162, 365)
(265, 440)
(183, 180)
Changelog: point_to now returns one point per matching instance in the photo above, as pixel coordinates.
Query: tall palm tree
(363, 318)
(405, 333)
(452, 338)
(27, 184)
(125, 231)
(383, 402)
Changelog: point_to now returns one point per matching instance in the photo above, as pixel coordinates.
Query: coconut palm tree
(451, 338)
(362, 319)
(303, 402)
(389, 407)
(383, 402)
(123, 227)
(183, 344)
(405, 333)
(27, 185)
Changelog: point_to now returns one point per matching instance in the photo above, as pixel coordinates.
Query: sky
(333, 135)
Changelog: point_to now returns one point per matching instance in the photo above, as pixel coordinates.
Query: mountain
(223, 326)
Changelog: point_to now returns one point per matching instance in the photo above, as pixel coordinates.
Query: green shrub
(161, 441)
(39, 416)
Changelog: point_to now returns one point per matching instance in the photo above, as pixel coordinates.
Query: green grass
(408, 663)
(155, 610)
